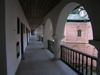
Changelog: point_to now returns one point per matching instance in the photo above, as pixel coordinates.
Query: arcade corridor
(47, 18)
(39, 61)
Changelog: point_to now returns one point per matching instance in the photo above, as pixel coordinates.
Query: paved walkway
(39, 61)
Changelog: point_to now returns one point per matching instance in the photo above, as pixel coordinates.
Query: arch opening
(77, 29)
(48, 32)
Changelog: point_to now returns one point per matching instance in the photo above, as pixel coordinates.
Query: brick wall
(79, 43)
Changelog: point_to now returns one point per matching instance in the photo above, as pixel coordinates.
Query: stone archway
(48, 32)
(63, 16)
(60, 27)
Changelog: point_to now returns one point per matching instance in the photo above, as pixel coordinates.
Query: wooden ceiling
(35, 10)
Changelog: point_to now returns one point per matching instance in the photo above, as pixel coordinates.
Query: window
(17, 49)
(79, 33)
(18, 25)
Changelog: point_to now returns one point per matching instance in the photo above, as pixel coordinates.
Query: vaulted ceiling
(35, 10)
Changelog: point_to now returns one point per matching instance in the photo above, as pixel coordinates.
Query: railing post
(61, 53)
(82, 64)
(76, 57)
(91, 65)
(57, 49)
(86, 65)
(48, 44)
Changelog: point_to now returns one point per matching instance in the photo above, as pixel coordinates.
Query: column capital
(59, 36)
(57, 43)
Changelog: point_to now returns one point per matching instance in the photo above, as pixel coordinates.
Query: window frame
(79, 33)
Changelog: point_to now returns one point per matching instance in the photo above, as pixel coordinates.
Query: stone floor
(39, 61)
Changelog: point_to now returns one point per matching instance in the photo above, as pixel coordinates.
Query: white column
(41, 30)
(57, 49)
(41, 33)
(97, 45)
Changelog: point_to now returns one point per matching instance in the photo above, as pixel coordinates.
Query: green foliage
(76, 11)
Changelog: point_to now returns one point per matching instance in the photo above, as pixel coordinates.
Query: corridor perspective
(30, 29)
(39, 61)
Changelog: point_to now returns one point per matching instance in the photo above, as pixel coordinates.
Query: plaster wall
(24, 39)
(13, 10)
(29, 37)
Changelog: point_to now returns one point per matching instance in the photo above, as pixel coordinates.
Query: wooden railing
(51, 46)
(82, 63)
(40, 38)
